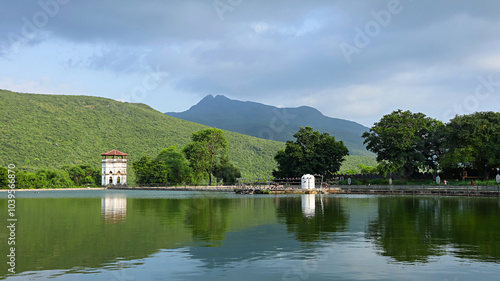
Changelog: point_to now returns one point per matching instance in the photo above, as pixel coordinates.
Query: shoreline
(53, 189)
(432, 190)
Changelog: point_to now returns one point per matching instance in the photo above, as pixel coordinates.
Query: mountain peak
(270, 122)
(221, 97)
(211, 104)
(207, 98)
(211, 99)
(210, 96)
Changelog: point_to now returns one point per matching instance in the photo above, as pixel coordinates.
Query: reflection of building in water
(308, 205)
(114, 208)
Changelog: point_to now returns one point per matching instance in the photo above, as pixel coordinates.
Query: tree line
(407, 143)
(66, 177)
(204, 158)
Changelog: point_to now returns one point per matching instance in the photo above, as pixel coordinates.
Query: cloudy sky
(356, 60)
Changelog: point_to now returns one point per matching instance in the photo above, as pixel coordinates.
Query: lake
(117, 235)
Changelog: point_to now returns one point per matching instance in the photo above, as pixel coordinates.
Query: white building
(308, 181)
(114, 168)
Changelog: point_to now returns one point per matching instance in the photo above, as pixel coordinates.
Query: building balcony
(114, 161)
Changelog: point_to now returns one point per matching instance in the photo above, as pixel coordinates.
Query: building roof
(114, 152)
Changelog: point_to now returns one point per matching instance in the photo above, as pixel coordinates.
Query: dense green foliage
(179, 170)
(206, 157)
(226, 171)
(51, 131)
(311, 153)
(269, 122)
(472, 141)
(408, 142)
(74, 176)
(4, 177)
(404, 142)
(168, 168)
(352, 162)
(150, 171)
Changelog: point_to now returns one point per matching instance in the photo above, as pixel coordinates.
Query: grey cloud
(280, 48)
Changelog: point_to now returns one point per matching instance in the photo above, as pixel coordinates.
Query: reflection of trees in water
(208, 219)
(475, 228)
(159, 207)
(416, 229)
(329, 217)
(407, 230)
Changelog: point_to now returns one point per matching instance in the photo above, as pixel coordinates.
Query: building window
(110, 180)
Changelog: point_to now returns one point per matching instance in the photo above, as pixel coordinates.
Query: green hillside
(50, 131)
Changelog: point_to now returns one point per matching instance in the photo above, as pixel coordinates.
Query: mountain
(49, 131)
(269, 122)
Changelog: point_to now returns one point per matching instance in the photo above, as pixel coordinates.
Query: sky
(355, 60)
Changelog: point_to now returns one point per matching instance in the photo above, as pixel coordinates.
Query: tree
(77, 175)
(473, 141)
(363, 169)
(405, 142)
(60, 178)
(178, 166)
(80, 174)
(26, 179)
(4, 178)
(149, 171)
(205, 151)
(142, 169)
(158, 172)
(226, 171)
(311, 152)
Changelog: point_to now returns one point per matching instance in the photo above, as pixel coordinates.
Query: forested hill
(269, 122)
(50, 131)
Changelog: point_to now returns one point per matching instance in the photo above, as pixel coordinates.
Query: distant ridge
(270, 122)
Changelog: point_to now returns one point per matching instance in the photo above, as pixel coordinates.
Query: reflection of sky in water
(337, 260)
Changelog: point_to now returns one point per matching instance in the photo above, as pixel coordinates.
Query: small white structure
(308, 181)
(114, 168)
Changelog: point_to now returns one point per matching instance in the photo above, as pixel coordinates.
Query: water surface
(168, 235)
